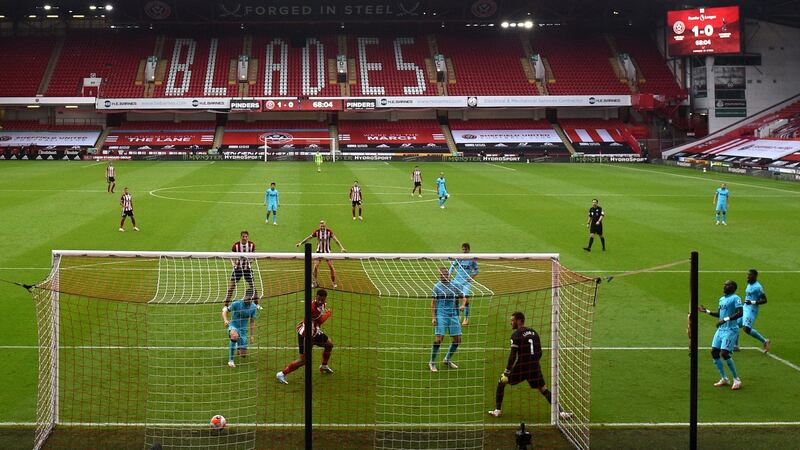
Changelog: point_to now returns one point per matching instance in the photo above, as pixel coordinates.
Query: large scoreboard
(703, 31)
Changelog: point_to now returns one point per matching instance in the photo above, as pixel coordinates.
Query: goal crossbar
(300, 256)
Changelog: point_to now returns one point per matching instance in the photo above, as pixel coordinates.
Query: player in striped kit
(126, 201)
(355, 199)
(324, 236)
(241, 266)
(111, 177)
(416, 177)
(319, 314)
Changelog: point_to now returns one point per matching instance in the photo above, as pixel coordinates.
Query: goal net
(134, 342)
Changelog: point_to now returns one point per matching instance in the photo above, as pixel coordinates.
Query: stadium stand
(390, 65)
(655, 76)
(580, 65)
(35, 125)
(155, 125)
(597, 136)
(486, 66)
(402, 135)
(764, 141)
(23, 61)
(203, 51)
(114, 57)
(280, 134)
(295, 82)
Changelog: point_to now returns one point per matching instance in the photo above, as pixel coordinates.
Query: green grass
(654, 215)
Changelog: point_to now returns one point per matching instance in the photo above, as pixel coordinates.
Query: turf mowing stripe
(706, 179)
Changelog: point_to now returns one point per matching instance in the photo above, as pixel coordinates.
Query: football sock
(718, 363)
(603, 241)
(466, 310)
(717, 215)
(732, 367)
(591, 241)
(434, 351)
(757, 335)
(267, 216)
(326, 355)
(724, 215)
(293, 366)
(275, 217)
(498, 396)
(450, 351)
(231, 350)
(547, 395)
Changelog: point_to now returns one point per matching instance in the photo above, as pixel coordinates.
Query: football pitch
(654, 216)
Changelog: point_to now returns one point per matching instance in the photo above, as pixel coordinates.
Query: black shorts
(596, 229)
(417, 184)
(128, 213)
(319, 340)
(110, 179)
(533, 375)
(240, 272)
(357, 203)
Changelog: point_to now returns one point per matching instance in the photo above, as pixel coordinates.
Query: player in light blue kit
(444, 315)
(243, 314)
(464, 271)
(442, 190)
(730, 309)
(753, 297)
(271, 200)
(721, 202)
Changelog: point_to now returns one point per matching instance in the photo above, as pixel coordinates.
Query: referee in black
(595, 225)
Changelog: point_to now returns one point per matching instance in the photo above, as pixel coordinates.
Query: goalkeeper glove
(504, 377)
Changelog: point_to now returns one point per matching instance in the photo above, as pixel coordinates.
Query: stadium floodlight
(169, 356)
(78, 16)
(109, 7)
(520, 24)
(52, 16)
(528, 24)
(92, 7)
(513, 25)
(32, 16)
(504, 24)
(47, 7)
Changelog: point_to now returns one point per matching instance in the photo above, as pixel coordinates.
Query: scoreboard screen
(704, 31)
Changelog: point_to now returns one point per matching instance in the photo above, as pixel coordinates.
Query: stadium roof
(597, 14)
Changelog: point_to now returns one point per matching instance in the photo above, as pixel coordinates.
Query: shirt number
(531, 341)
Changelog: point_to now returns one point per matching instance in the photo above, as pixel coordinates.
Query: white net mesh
(139, 342)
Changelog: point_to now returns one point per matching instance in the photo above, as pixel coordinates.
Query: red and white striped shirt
(355, 193)
(243, 247)
(416, 176)
(110, 171)
(323, 239)
(127, 202)
(317, 311)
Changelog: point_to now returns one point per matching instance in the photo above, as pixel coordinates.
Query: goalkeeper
(523, 364)
(318, 160)
(243, 314)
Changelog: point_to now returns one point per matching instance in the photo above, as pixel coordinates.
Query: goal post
(135, 339)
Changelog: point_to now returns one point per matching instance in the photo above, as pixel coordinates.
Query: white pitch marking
(95, 164)
(500, 167)
(778, 358)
